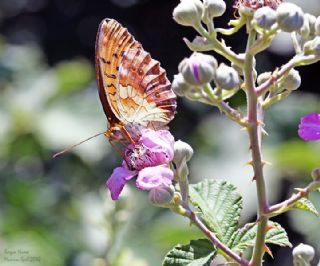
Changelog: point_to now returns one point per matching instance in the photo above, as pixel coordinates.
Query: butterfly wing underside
(133, 88)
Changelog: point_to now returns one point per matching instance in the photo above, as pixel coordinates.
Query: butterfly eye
(133, 68)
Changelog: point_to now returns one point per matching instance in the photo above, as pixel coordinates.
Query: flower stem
(282, 207)
(254, 130)
(213, 238)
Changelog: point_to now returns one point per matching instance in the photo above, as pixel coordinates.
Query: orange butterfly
(134, 90)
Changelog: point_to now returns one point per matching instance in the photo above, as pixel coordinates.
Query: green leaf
(306, 205)
(197, 253)
(219, 205)
(245, 237)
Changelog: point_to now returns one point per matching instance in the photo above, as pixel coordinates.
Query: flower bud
(317, 26)
(162, 195)
(316, 174)
(312, 47)
(227, 78)
(264, 17)
(212, 9)
(179, 85)
(308, 28)
(292, 81)
(198, 69)
(182, 151)
(188, 12)
(263, 77)
(302, 253)
(289, 17)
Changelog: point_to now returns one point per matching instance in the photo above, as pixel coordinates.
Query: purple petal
(118, 179)
(160, 140)
(195, 68)
(309, 127)
(152, 177)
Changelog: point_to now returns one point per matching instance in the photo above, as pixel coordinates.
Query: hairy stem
(254, 130)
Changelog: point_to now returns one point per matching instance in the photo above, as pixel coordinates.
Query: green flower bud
(179, 85)
(302, 254)
(162, 195)
(188, 12)
(263, 77)
(227, 78)
(264, 17)
(292, 81)
(312, 47)
(198, 69)
(290, 17)
(212, 9)
(317, 26)
(182, 151)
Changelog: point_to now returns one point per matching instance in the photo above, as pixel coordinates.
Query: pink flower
(148, 159)
(309, 127)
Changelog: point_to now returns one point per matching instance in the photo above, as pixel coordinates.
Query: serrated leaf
(245, 237)
(306, 205)
(219, 205)
(197, 253)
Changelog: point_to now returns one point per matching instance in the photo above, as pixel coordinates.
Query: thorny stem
(213, 238)
(265, 86)
(287, 204)
(255, 137)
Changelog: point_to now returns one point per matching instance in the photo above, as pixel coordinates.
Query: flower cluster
(148, 159)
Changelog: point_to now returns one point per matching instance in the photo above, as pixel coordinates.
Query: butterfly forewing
(133, 88)
(144, 94)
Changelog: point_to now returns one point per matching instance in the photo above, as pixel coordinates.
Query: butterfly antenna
(75, 145)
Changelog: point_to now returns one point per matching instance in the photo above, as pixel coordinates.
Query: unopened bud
(198, 69)
(312, 47)
(290, 17)
(188, 12)
(162, 195)
(317, 26)
(263, 77)
(227, 78)
(179, 85)
(182, 151)
(316, 174)
(264, 17)
(292, 81)
(212, 9)
(302, 254)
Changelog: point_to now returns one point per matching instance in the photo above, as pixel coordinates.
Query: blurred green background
(58, 211)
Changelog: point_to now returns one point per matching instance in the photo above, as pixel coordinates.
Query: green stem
(254, 131)
(224, 107)
(220, 47)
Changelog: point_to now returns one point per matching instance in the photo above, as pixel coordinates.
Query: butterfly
(133, 88)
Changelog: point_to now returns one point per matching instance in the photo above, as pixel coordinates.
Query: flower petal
(158, 140)
(152, 177)
(309, 127)
(118, 179)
